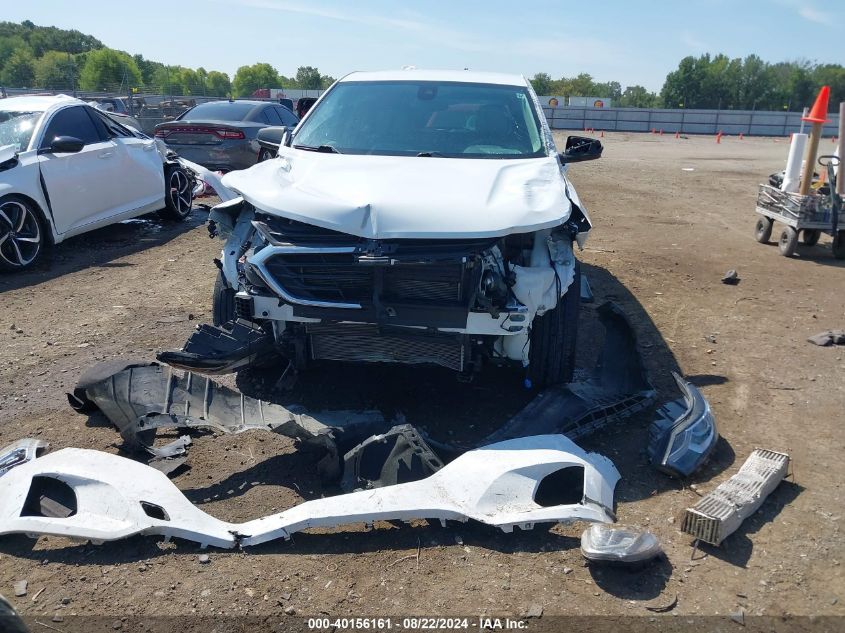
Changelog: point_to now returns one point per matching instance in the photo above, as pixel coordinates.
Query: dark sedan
(220, 135)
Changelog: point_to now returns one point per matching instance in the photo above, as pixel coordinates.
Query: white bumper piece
(116, 497)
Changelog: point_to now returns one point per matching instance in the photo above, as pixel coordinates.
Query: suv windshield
(435, 119)
(16, 128)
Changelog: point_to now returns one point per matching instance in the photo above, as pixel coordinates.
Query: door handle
(105, 154)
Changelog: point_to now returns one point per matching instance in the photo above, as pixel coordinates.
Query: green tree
(56, 71)
(542, 83)
(19, 70)
(326, 81)
(218, 84)
(248, 79)
(637, 97)
(108, 69)
(308, 78)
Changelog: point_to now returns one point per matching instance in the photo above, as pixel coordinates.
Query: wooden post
(840, 173)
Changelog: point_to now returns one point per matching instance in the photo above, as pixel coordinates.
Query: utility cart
(809, 215)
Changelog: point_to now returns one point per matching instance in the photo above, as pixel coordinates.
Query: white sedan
(67, 168)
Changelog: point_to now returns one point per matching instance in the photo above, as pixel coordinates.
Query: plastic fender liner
(116, 497)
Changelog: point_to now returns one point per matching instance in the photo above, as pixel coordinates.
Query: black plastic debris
(141, 398)
(398, 456)
(222, 350)
(826, 339)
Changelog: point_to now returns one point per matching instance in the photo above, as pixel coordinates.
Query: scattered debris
(684, 434)
(617, 544)
(516, 483)
(222, 350)
(204, 559)
(567, 570)
(38, 593)
(826, 339)
(141, 397)
(533, 611)
(290, 611)
(731, 278)
(738, 616)
(20, 588)
(720, 512)
(666, 607)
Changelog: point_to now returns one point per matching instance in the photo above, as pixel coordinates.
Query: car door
(83, 186)
(139, 161)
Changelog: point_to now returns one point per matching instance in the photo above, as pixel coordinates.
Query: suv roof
(466, 76)
(36, 103)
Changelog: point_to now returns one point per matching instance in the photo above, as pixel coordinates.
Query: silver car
(220, 135)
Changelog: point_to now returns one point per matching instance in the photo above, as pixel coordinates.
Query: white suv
(413, 217)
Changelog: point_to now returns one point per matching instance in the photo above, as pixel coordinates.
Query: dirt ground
(671, 216)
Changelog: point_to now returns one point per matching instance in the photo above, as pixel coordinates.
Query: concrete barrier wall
(751, 123)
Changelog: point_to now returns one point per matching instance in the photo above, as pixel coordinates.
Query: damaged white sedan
(412, 217)
(67, 168)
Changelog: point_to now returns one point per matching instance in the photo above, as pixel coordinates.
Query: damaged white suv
(412, 217)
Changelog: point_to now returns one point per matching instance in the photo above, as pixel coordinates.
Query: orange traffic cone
(602, 134)
(719, 138)
(740, 136)
(677, 135)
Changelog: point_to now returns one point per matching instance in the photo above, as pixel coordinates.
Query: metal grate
(366, 343)
(720, 512)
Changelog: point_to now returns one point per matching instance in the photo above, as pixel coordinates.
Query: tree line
(717, 82)
(49, 58)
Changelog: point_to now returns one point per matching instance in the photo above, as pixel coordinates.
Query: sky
(629, 41)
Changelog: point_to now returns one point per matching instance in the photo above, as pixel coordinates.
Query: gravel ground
(671, 217)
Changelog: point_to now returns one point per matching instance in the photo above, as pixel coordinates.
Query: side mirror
(66, 145)
(287, 137)
(270, 137)
(580, 148)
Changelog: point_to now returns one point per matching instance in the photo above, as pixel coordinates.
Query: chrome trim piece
(259, 261)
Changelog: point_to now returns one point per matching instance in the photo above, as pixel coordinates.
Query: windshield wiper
(429, 155)
(325, 149)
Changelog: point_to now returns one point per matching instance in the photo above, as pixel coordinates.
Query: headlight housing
(683, 436)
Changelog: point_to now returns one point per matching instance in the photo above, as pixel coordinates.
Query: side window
(272, 116)
(288, 117)
(109, 128)
(73, 121)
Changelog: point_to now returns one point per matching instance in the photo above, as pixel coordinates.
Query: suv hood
(381, 197)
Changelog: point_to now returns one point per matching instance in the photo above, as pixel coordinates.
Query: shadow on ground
(98, 248)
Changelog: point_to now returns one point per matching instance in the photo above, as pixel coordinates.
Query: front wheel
(838, 246)
(178, 194)
(810, 237)
(265, 154)
(553, 336)
(763, 230)
(788, 241)
(222, 302)
(22, 237)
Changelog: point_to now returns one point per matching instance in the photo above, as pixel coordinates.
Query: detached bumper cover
(113, 497)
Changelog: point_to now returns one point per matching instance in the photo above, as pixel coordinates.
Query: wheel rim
(20, 234)
(180, 192)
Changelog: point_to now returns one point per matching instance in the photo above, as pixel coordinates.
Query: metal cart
(811, 215)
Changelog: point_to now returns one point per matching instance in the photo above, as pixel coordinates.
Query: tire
(788, 241)
(763, 230)
(265, 154)
(178, 197)
(22, 233)
(553, 338)
(810, 237)
(838, 246)
(222, 302)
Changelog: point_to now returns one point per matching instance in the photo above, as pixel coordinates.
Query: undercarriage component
(719, 513)
(140, 398)
(398, 456)
(222, 350)
(20, 452)
(617, 388)
(684, 434)
(511, 484)
(371, 343)
(617, 544)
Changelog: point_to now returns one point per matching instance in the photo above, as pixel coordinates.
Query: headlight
(683, 436)
(606, 543)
